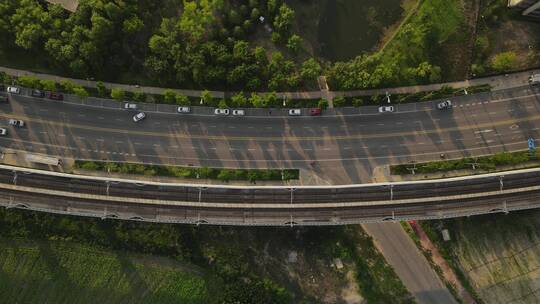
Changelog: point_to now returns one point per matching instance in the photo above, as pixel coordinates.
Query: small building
(529, 8)
(445, 235)
(70, 5)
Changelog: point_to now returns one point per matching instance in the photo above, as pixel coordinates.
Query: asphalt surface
(409, 264)
(340, 149)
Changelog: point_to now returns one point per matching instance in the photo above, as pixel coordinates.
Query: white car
(3, 132)
(16, 123)
(295, 112)
(384, 109)
(238, 112)
(183, 110)
(444, 105)
(139, 116)
(130, 106)
(221, 111)
(14, 90)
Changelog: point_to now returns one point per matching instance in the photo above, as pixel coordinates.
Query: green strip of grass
(54, 272)
(488, 163)
(191, 172)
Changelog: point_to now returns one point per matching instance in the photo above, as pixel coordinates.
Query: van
(534, 79)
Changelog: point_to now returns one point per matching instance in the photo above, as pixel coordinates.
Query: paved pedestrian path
(497, 82)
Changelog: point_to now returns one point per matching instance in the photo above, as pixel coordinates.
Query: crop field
(54, 272)
(497, 255)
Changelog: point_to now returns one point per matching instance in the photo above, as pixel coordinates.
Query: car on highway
(16, 123)
(3, 131)
(238, 112)
(295, 112)
(444, 105)
(14, 90)
(315, 111)
(139, 116)
(385, 109)
(3, 98)
(221, 111)
(37, 93)
(56, 96)
(130, 106)
(183, 110)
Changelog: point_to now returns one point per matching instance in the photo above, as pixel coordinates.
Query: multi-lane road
(337, 149)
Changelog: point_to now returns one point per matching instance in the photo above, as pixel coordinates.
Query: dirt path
(436, 257)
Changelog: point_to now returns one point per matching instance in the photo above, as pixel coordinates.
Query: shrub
(67, 86)
(339, 101)
(118, 94)
(503, 61)
(169, 96)
(80, 92)
(139, 96)
(48, 85)
(182, 100)
(323, 104)
(29, 82)
(223, 104)
(101, 89)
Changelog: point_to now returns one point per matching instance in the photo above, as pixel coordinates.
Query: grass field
(54, 272)
(497, 255)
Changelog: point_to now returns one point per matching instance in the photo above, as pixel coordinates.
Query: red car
(56, 96)
(315, 112)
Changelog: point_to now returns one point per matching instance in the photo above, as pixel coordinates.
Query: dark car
(315, 111)
(56, 96)
(38, 93)
(2, 87)
(3, 98)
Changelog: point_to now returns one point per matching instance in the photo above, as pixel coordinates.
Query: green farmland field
(56, 272)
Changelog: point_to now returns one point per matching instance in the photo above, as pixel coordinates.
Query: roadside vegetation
(483, 163)
(251, 175)
(189, 264)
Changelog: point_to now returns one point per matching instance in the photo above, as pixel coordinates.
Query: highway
(338, 149)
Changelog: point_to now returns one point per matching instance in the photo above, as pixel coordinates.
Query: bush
(67, 86)
(118, 94)
(80, 92)
(48, 85)
(322, 104)
(101, 89)
(339, 101)
(206, 97)
(29, 82)
(503, 61)
(139, 96)
(169, 96)
(182, 100)
(223, 104)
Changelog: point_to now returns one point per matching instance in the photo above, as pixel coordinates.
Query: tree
(101, 89)
(118, 94)
(284, 20)
(338, 101)
(310, 70)
(169, 96)
(293, 44)
(322, 104)
(504, 61)
(132, 25)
